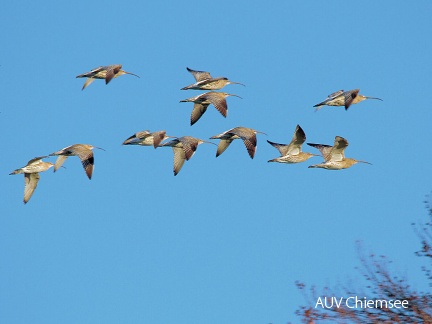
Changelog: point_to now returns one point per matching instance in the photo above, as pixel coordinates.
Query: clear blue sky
(225, 240)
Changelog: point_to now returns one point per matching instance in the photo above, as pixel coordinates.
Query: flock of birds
(185, 147)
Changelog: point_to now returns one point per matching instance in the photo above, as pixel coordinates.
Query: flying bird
(204, 81)
(292, 152)
(334, 156)
(201, 102)
(31, 175)
(103, 72)
(248, 136)
(83, 151)
(343, 98)
(184, 148)
(147, 138)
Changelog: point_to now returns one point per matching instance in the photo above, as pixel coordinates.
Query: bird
(83, 151)
(31, 175)
(103, 72)
(204, 81)
(202, 101)
(292, 152)
(248, 135)
(146, 138)
(334, 157)
(343, 98)
(184, 148)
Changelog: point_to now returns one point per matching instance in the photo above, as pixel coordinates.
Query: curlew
(147, 138)
(204, 81)
(83, 151)
(334, 157)
(248, 135)
(201, 102)
(292, 152)
(31, 175)
(103, 72)
(184, 148)
(343, 98)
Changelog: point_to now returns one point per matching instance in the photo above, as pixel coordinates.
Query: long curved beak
(234, 95)
(363, 162)
(100, 148)
(232, 82)
(373, 98)
(131, 74)
(260, 132)
(209, 142)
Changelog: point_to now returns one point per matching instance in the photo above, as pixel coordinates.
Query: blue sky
(225, 240)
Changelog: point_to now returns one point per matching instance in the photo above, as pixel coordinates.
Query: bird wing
(218, 101)
(136, 138)
(141, 135)
(179, 159)
(299, 137)
(330, 97)
(337, 151)
(324, 149)
(282, 148)
(350, 96)
(198, 110)
(59, 162)
(204, 82)
(223, 145)
(158, 137)
(88, 82)
(91, 73)
(249, 139)
(335, 94)
(111, 72)
(199, 75)
(36, 159)
(189, 146)
(30, 184)
(87, 160)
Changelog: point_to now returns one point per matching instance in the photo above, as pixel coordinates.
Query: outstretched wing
(158, 137)
(282, 148)
(30, 184)
(92, 73)
(249, 139)
(299, 137)
(199, 75)
(87, 161)
(337, 152)
(350, 96)
(324, 149)
(189, 146)
(179, 159)
(112, 70)
(218, 101)
(223, 145)
(59, 162)
(198, 110)
(88, 82)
